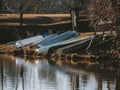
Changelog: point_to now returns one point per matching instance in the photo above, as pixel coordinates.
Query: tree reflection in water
(44, 75)
(1, 66)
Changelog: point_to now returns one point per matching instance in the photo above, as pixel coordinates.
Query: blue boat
(49, 37)
(59, 38)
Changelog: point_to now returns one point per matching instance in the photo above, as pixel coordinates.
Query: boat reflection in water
(21, 74)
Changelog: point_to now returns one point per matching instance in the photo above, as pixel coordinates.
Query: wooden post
(21, 15)
(73, 16)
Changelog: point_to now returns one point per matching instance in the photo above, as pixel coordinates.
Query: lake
(18, 73)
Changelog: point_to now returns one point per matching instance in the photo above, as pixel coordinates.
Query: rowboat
(81, 46)
(67, 43)
(27, 41)
(52, 47)
(59, 38)
(47, 38)
(75, 47)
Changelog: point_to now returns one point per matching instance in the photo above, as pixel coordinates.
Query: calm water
(20, 74)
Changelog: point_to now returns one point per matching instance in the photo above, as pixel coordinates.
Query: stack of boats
(67, 42)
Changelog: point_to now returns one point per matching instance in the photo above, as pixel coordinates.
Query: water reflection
(22, 74)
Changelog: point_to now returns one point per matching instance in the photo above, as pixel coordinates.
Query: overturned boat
(66, 43)
(62, 39)
(58, 38)
(27, 41)
(53, 47)
(77, 44)
(80, 46)
(47, 38)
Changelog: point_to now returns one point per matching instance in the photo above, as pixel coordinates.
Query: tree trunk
(1, 6)
(118, 24)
